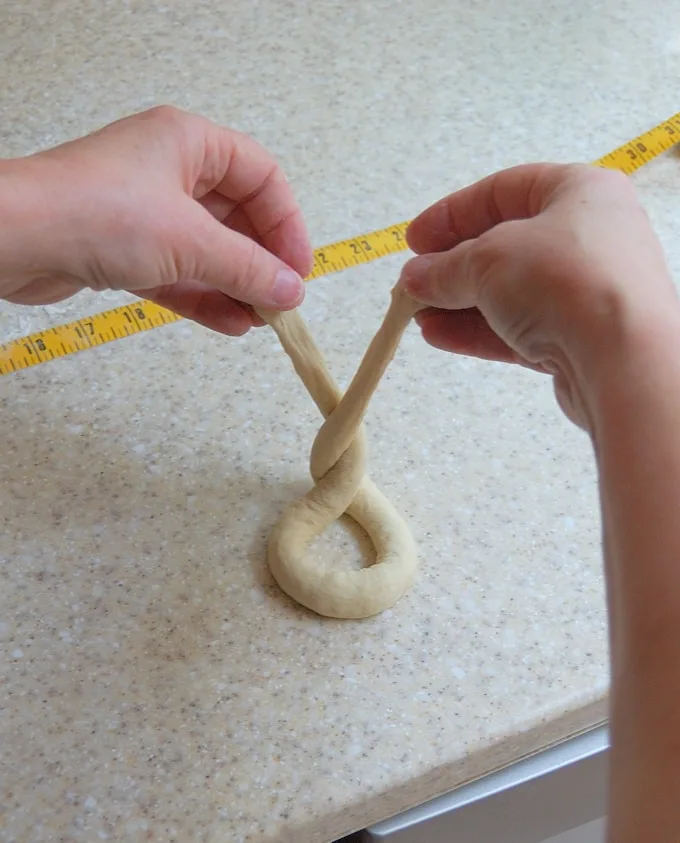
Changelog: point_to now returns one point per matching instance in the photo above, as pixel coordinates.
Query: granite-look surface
(154, 682)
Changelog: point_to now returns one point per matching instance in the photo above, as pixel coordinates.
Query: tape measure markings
(130, 319)
(641, 150)
(357, 250)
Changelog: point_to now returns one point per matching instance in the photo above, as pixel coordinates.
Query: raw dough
(338, 466)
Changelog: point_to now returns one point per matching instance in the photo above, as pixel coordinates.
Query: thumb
(470, 272)
(236, 265)
(442, 279)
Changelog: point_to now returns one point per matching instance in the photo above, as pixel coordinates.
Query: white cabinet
(592, 832)
(555, 796)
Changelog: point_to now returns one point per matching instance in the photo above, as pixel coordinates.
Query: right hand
(550, 266)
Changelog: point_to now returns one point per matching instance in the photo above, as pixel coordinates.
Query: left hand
(166, 204)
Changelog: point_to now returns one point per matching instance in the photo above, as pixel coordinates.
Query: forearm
(634, 400)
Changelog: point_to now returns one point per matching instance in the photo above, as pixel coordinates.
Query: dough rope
(338, 468)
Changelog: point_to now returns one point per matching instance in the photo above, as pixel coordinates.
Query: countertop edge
(382, 806)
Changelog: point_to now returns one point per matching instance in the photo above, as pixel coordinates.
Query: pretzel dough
(338, 466)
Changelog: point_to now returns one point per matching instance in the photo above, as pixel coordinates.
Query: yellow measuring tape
(130, 319)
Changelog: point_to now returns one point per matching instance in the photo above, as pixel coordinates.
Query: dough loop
(338, 467)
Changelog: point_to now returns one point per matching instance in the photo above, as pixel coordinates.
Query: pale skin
(549, 266)
(558, 268)
(164, 204)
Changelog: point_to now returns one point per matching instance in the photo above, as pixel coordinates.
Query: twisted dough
(338, 466)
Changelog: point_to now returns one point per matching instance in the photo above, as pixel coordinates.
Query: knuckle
(490, 250)
(603, 178)
(247, 276)
(166, 113)
(577, 170)
(614, 181)
(490, 259)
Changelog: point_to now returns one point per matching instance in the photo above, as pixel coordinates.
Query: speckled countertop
(154, 683)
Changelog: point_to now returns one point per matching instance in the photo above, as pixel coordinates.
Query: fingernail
(414, 272)
(287, 289)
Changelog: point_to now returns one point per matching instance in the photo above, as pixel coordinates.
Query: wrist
(27, 228)
(630, 365)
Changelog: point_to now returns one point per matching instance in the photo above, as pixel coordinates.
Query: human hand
(164, 204)
(549, 266)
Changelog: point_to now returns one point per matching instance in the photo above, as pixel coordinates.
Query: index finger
(240, 169)
(513, 194)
